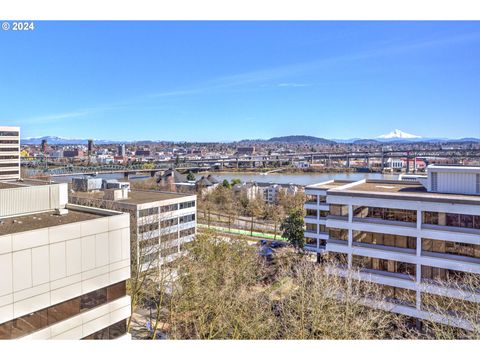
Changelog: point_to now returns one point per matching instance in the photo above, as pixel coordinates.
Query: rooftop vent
(462, 180)
(60, 212)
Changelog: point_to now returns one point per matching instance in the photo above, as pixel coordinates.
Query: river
(299, 178)
(276, 178)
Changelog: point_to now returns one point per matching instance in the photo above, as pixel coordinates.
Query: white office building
(408, 237)
(63, 267)
(161, 222)
(9, 152)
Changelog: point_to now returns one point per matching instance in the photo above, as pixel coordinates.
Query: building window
(40, 319)
(187, 232)
(148, 227)
(451, 247)
(311, 227)
(392, 266)
(311, 212)
(365, 212)
(169, 222)
(148, 212)
(111, 332)
(339, 210)
(450, 219)
(455, 277)
(187, 218)
(407, 242)
(8, 133)
(168, 208)
(93, 299)
(187, 204)
(338, 234)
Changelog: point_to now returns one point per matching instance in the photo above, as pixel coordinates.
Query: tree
(292, 228)
(235, 182)
(255, 208)
(226, 184)
(190, 176)
(277, 214)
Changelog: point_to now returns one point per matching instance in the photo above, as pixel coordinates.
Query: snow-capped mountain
(398, 134)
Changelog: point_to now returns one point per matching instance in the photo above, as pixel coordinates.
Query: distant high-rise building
(44, 146)
(90, 147)
(9, 152)
(121, 150)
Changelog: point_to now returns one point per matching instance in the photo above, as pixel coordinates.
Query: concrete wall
(30, 199)
(44, 267)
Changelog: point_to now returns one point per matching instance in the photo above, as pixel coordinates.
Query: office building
(9, 152)
(63, 266)
(161, 222)
(409, 237)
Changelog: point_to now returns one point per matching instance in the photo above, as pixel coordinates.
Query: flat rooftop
(407, 190)
(10, 184)
(136, 196)
(42, 220)
(330, 185)
(141, 197)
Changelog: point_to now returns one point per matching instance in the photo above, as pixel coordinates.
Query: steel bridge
(111, 169)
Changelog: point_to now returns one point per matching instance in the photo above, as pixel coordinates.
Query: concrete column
(418, 276)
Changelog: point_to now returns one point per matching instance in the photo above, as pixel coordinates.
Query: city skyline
(228, 81)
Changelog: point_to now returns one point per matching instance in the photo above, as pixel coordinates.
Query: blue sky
(219, 81)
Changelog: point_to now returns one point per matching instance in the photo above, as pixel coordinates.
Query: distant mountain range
(55, 140)
(395, 136)
(301, 139)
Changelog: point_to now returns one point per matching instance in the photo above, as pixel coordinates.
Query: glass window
(116, 291)
(63, 311)
(93, 299)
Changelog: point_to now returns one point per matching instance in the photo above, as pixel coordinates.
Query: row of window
(399, 241)
(313, 212)
(9, 141)
(187, 232)
(169, 222)
(148, 212)
(9, 172)
(187, 218)
(187, 204)
(148, 227)
(9, 149)
(169, 251)
(8, 157)
(392, 266)
(168, 208)
(9, 133)
(109, 333)
(8, 164)
(448, 219)
(385, 213)
(40, 319)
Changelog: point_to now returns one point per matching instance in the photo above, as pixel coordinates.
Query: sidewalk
(242, 232)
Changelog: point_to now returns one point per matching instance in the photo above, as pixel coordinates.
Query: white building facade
(63, 267)
(9, 152)
(403, 237)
